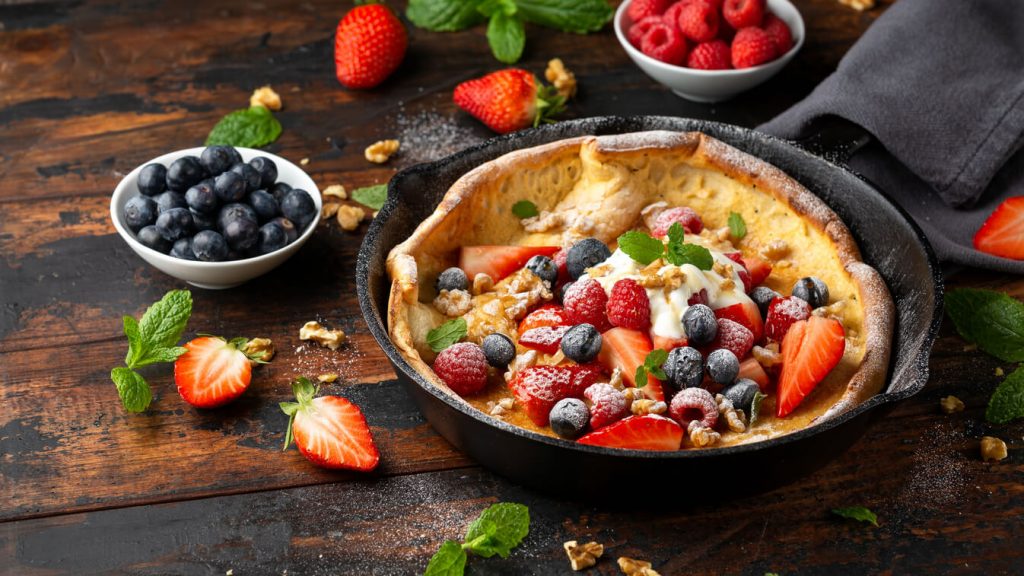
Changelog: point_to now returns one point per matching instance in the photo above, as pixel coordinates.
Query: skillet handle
(836, 139)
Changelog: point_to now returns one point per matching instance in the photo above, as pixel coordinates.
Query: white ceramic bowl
(214, 275)
(712, 85)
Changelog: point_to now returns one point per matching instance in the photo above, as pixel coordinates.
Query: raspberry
(698, 298)
(463, 367)
(734, 337)
(671, 16)
(641, 9)
(585, 303)
(665, 43)
(607, 405)
(635, 35)
(694, 404)
(778, 31)
(714, 55)
(742, 13)
(698, 21)
(628, 305)
(752, 47)
(783, 313)
(686, 216)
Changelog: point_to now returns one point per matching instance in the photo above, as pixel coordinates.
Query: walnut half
(379, 152)
(992, 449)
(632, 567)
(261, 346)
(312, 330)
(583, 556)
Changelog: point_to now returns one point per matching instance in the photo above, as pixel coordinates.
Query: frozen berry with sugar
(585, 302)
(584, 254)
(628, 305)
(569, 418)
(741, 394)
(684, 367)
(607, 404)
(812, 290)
(498, 349)
(694, 405)
(722, 366)
(700, 325)
(452, 279)
(581, 343)
(463, 367)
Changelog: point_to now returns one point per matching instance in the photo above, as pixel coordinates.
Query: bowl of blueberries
(217, 216)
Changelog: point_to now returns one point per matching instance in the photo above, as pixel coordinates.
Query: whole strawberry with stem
(509, 100)
(329, 431)
(369, 44)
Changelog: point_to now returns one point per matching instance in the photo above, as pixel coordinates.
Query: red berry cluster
(708, 34)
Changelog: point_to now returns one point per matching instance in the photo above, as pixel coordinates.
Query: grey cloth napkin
(939, 84)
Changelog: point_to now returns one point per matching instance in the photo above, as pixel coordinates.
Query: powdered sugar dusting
(429, 136)
(938, 471)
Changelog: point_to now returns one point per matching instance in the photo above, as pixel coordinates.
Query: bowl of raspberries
(216, 216)
(709, 50)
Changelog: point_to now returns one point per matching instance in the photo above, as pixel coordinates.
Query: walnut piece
(521, 362)
(999, 371)
(561, 78)
(642, 406)
(859, 5)
(349, 217)
(992, 449)
(735, 419)
(260, 346)
(482, 283)
(616, 379)
(453, 303)
(951, 404)
(327, 378)
(583, 556)
(767, 356)
(336, 191)
(312, 330)
(632, 567)
(379, 152)
(702, 436)
(329, 210)
(266, 97)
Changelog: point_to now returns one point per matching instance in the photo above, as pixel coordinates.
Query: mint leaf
(163, 323)
(498, 530)
(447, 334)
(252, 127)
(697, 255)
(507, 37)
(641, 247)
(1007, 402)
(444, 15)
(755, 406)
(857, 513)
(160, 355)
(674, 248)
(132, 388)
(992, 320)
(449, 560)
(579, 16)
(737, 227)
(524, 209)
(652, 365)
(131, 331)
(371, 196)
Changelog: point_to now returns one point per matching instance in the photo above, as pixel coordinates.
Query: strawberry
(779, 32)
(665, 43)
(641, 9)
(666, 343)
(463, 367)
(329, 431)
(698, 21)
(586, 303)
(607, 405)
(498, 261)
(782, 314)
(734, 337)
(745, 313)
(713, 55)
(628, 305)
(751, 369)
(811, 349)
(647, 432)
(1002, 234)
(759, 269)
(538, 388)
(369, 44)
(213, 371)
(752, 47)
(546, 339)
(742, 13)
(547, 315)
(627, 349)
(508, 100)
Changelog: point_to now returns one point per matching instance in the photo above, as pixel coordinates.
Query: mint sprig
(645, 249)
(641, 247)
(250, 127)
(151, 340)
(373, 197)
(992, 320)
(498, 530)
(652, 365)
(737, 226)
(755, 406)
(447, 334)
(524, 209)
(505, 31)
(857, 513)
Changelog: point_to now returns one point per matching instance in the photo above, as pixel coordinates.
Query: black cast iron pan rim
(380, 333)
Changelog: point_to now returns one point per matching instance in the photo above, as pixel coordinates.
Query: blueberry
(232, 212)
(217, 159)
(741, 394)
(241, 234)
(229, 186)
(150, 238)
(684, 367)
(700, 325)
(585, 254)
(811, 290)
(279, 190)
(202, 221)
(543, 267)
(569, 418)
(271, 238)
(264, 204)
(266, 169)
(498, 349)
(201, 197)
(298, 207)
(168, 200)
(763, 296)
(452, 279)
(152, 179)
(184, 173)
(581, 343)
(249, 174)
(174, 224)
(139, 211)
(723, 366)
(209, 246)
(291, 234)
(183, 249)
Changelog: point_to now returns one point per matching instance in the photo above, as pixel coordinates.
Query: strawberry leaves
(498, 530)
(304, 392)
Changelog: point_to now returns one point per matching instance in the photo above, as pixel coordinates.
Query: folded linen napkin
(939, 84)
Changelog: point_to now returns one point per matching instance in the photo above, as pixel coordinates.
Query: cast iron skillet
(889, 241)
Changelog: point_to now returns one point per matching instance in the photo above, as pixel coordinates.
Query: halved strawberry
(498, 261)
(1002, 234)
(666, 343)
(759, 269)
(213, 372)
(547, 315)
(745, 313)
(810, 350)
(538, 388)
(647, 432)
(329, 431)
(752, 369)
(627, 349)
(545, 339)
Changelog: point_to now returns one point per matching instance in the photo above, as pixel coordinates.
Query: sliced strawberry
(647, 432)
(545, 339)
(666, 343)
(538, 388)
(744, 275)
(498, 261)
(213, 372)
(759, 269)
(810, 350)
(329, 431)
(627, 349)
(547, 315)
(752, 369)
(745, 313)
(1002, 234)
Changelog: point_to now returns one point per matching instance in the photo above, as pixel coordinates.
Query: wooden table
(89, 91)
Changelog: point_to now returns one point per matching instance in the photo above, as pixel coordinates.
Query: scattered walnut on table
(349, 217)
(561, 78)
(312, 330)
(329, 210)
(336, 191)
(992, 449)
(453, 303)
(859, 5)
(999, 371)
(260, 346)
(951, 404)
(583, 556)
(327, 378)
(266, 97)
(381, 151)
(633, 567)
